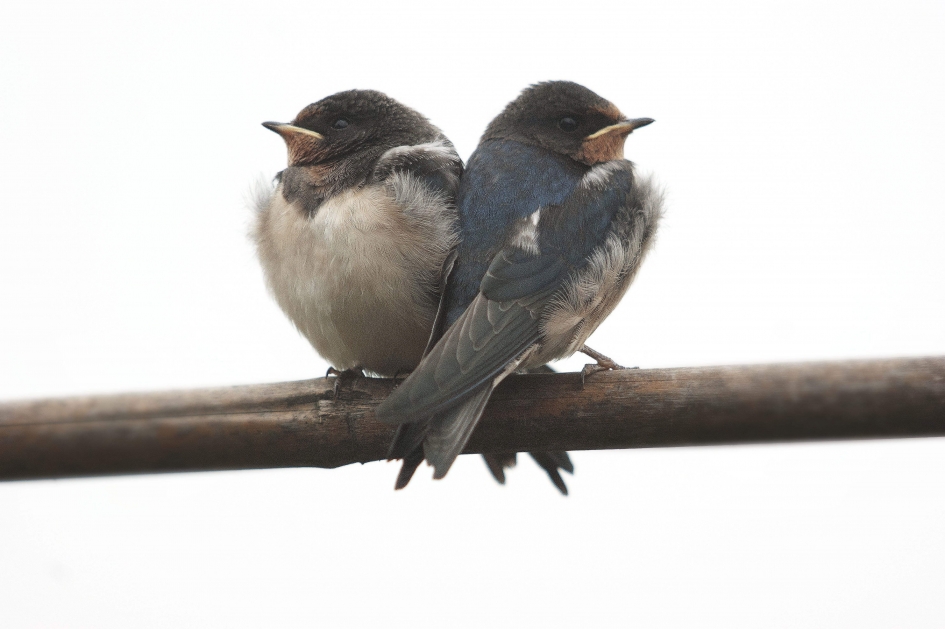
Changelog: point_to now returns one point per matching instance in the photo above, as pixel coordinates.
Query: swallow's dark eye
(341, 123)
(567, 124)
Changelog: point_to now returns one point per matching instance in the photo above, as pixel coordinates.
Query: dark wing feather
(486, 338)
(449, 433)
(551, 462)
(439, 322)
(497, 463)
(444, 397)
(408, 439)
(437, 165)
(411, 462)
(516, 274)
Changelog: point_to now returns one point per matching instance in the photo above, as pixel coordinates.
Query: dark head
(352, 124)
(567, 118)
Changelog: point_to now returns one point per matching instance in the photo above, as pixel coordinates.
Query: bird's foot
(603, 363)
(344, 377)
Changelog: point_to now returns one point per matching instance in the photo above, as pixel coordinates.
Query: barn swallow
(555, 224)
(354, 235)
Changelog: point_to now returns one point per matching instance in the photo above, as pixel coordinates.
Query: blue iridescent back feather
(505, 181)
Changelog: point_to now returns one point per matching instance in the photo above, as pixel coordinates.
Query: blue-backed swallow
(354, 236)
(554, 225)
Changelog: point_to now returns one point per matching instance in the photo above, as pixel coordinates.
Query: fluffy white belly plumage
(359, 277)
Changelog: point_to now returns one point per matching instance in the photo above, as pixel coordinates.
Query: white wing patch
(526, 238)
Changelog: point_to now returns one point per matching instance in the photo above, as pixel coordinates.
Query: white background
(802, 147)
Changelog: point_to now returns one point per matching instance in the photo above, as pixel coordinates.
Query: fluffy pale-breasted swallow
(555, 224)
(354, 236)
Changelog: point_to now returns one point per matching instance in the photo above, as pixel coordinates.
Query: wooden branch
(301, 424)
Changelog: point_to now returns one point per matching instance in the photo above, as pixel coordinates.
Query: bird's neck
(310, 185)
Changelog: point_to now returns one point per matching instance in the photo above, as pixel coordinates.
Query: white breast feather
(358, 277)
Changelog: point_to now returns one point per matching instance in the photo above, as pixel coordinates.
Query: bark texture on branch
(301, 423)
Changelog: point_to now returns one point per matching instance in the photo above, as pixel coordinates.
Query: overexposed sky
(802, 148)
